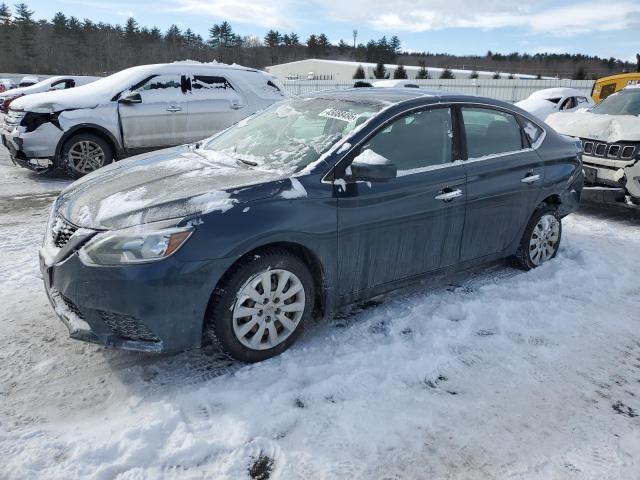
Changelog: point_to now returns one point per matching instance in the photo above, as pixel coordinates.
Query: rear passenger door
(504, 179)
(161, 118)
(214, 104)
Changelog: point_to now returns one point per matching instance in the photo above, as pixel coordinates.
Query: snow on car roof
(104, 89)
(557, 92)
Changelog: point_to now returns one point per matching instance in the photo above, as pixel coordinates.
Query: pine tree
(474, 74)
(400, 73)
(380, 71)
(496, 76)
(359, 74)
(272, 38)
(423, 73)
(580, 74)
(447, 74)
(25, 26)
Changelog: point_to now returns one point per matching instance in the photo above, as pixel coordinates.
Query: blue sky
(454, 26)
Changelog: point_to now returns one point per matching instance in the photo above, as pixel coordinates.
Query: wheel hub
(544, 239)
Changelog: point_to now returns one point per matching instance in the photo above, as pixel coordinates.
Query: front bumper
(153, 307)
(33, 150)
(613, 174)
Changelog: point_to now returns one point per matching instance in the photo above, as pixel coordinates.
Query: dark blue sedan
(310, 205)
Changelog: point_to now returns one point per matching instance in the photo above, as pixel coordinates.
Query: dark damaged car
(135, 110)
(310, 205)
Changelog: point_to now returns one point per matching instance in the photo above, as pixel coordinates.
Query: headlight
(135, 245)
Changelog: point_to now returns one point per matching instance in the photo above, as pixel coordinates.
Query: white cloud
(533, 16)
(264, 13)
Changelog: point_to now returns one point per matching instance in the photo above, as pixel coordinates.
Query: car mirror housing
(130, 98)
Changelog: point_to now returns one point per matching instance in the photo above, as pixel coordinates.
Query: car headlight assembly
(135, 246)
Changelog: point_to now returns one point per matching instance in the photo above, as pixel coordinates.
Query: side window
(161, 87)
(490, 132)
(415, 141)
(582, 100)
(210, 85)
(569, 103)
(62, 84)
(607, 90)
(531, 130)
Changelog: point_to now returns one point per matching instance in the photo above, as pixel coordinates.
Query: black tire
(68, 165)
(522, 259)
(218, 324)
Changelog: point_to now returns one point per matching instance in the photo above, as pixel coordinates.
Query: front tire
(541, 239)
(84, 153)
(261, 306)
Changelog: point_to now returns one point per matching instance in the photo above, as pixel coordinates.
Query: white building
(315, 69)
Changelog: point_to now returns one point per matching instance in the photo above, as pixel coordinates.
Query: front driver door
(161, 118)
(409, 225)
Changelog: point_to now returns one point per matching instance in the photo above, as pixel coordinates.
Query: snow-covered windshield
(621, 103)
(292, 134)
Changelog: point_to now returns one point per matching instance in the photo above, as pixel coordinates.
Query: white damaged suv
(135, 110)
(610, 135)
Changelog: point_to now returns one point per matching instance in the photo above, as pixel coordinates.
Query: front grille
(613, 151)
(126, 326)
(71, 306)
(61, 231)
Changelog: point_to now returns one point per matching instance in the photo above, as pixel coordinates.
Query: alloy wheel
(86, 156)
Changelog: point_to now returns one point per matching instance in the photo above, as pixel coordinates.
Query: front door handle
(448, 195)
(236, 106)
(174, 108)
(529, 179)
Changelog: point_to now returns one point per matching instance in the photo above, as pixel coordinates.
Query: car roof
(390, 96)
(557, 92)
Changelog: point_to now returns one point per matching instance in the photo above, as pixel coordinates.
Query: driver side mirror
(131, 98)
(372, 167)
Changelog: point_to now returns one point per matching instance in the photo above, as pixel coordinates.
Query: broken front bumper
(612, 174)
(33, 150)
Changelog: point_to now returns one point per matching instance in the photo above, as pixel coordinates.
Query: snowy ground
(490, 374)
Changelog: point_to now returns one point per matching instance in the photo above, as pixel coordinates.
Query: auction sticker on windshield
(343, 115)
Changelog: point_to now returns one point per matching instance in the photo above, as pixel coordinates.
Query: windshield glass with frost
(290, 135)
(621, 103)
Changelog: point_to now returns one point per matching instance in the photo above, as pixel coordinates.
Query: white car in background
(6, 84)
(62, 82)
(28, 81)
(610, 135)
(136, 110)
(552, 100)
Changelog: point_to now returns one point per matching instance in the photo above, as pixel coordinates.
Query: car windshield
(626, 102)
(292, 134)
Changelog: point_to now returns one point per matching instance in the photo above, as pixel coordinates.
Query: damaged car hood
(594, 126)
(171, 183)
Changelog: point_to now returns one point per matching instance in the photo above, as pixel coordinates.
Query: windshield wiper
(246, 162)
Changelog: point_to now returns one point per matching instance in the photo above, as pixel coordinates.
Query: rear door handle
(174, 108)
(529, 179)
(447, 196)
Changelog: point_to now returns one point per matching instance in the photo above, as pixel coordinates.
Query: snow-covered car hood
(171, 183)
(607, 128)
(53, 101)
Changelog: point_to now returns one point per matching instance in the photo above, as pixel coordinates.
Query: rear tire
(541, 239)
(261, 306)
(84, 153)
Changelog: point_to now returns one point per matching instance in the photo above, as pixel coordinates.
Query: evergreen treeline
(73, 46)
